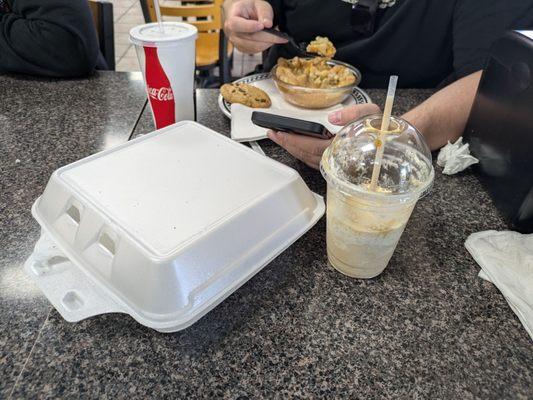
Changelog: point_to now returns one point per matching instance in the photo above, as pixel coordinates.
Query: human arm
(443, 116)
(54, 38)
(243, 22)
(440, 118)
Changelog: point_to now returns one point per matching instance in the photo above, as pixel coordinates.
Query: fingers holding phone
(305, 148)
(304, 140)
(351, 113)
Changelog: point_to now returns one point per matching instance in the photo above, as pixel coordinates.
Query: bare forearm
(443, 116)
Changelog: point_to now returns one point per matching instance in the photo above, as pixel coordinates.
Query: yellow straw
(385, 121)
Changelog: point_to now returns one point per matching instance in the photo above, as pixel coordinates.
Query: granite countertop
(45, 124)
(428, 327)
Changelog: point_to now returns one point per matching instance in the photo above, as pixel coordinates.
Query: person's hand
(348, 114)
(305, 148)
(309, 149)
(244, 21)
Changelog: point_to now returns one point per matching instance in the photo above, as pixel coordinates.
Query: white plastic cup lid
(151, 35)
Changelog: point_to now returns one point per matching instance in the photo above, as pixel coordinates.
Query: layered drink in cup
(166, 54)
(364, 224)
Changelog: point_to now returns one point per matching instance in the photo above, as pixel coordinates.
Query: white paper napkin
(243, 130)
(455, 157)
(506, 260)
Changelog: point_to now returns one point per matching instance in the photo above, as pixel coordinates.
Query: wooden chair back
(206, 15)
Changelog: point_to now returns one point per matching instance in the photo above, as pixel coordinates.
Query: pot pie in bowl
(314, 82)
(317, 82)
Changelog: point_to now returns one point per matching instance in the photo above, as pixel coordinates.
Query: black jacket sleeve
(276, 6)
(48, 38)
(478, 24)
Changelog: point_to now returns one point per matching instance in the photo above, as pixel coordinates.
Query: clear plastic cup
(167, 60)
(363, 225)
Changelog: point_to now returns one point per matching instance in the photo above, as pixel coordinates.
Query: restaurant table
(428, 327)
(45, 124)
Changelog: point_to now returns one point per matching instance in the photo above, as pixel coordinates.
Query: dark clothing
(426, 42)
(47, 38)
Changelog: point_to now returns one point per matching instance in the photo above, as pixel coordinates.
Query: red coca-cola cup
(167, 59)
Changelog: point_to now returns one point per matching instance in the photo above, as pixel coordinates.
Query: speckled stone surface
(45, 124)
(428, 327)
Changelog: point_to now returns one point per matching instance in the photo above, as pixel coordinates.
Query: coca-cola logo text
(161, 94)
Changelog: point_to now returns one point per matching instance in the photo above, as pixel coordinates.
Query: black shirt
(426, 42)
(47, 37)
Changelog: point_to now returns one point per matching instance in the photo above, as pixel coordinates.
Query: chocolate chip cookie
(243, 93)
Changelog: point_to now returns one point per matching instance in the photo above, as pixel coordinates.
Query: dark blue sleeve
(48, 38)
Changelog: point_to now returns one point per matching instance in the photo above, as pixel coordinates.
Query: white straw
(385, 121)
(158, 15)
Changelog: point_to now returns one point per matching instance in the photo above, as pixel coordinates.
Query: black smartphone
(291, 125)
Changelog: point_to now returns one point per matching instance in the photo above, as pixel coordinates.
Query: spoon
(299, 48)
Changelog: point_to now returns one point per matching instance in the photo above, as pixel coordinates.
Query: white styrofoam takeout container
(165, 227)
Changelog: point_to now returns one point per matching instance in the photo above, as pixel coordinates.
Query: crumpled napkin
(506, 260)
(455, 157)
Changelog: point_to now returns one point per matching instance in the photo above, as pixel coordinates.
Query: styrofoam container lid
(168, 225)
(151, 35)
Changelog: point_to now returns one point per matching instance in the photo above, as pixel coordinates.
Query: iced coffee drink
(364, 225)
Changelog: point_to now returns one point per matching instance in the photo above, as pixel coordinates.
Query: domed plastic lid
(151, 35)
(406, 172)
